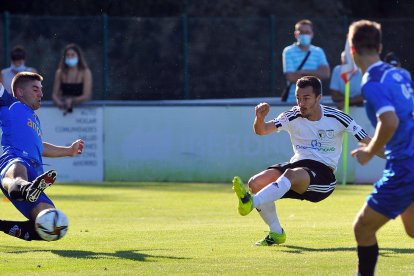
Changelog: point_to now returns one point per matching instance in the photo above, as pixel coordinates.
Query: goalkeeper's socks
(24, 230)
(367, 259)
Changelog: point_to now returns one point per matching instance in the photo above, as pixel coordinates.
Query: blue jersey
(22, 134)
(387, 88)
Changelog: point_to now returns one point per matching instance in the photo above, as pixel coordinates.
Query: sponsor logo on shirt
(316, 145)
(34, 126)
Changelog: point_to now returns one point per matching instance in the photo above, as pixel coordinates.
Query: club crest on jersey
(326, 133)
(321, 133)
(330, 133)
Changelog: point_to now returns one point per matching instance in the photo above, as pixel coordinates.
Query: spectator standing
(73, 79)
(337, 86)
(316, 63)
(17, 65)
(392, 58)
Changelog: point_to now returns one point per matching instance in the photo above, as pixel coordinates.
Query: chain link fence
(182, 57)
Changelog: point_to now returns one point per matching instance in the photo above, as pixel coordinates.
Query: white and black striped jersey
(318, 140)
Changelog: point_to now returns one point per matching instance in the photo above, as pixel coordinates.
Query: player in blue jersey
(389, 105)
(21, 168)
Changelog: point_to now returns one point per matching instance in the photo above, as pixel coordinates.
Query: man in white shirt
(316, 133)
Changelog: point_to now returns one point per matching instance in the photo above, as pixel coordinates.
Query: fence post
(272, 55)
(186, 92)
(105, 55)
(6, 37)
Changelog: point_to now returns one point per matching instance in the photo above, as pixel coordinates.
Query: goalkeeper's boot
(32, 191)
(245, 198)
(272, 238)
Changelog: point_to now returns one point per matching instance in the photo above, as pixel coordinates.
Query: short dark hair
(365, 36)
(21, 79)
(17, 53)
(312, 81)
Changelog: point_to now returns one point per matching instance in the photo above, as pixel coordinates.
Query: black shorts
(322, 179)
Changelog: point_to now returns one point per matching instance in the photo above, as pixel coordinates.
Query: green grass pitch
(194, 229)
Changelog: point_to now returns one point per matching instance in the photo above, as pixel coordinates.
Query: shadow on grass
(385, 252)
(133, 255)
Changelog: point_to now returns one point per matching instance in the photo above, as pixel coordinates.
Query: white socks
(272, 192)
(268, 213)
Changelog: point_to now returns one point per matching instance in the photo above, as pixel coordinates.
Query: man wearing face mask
(18, 57)
(73, 80)
(303, 59)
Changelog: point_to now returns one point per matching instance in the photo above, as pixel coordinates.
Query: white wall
(85, 123)
(202, 143)
(176, 143)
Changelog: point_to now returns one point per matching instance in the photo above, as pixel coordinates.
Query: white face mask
(71, 62)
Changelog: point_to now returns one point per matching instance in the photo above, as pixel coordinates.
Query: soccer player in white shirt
(316, 132)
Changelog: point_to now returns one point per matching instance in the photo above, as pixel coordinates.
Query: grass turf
(181, 228)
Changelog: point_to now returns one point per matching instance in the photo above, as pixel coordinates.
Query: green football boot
(272, 238)
(245, 198)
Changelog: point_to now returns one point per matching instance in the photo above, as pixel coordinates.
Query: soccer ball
(51, 224)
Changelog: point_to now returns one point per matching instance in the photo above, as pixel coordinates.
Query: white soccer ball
(51, 224)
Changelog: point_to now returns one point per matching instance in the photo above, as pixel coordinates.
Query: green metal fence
(181, 57)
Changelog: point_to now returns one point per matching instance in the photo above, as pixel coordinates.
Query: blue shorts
(33, 171)
(394, 192)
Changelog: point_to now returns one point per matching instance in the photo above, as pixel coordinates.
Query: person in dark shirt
(73, 79)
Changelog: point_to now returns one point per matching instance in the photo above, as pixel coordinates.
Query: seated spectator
(392, 59)
(337, 86)
(17, 64)
(73, 79)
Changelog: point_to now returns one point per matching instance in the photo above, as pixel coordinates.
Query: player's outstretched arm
(387, 125)
(364, 142)
(50, 150)
(260, 126)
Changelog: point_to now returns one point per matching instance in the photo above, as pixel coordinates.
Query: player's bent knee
(410, 232)
(254, 185)
(359, 227)
(289, 173)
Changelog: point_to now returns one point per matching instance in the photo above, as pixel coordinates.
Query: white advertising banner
(84, 123)
(204, 144)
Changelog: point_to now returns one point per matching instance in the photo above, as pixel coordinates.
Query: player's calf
(24, 230)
